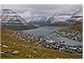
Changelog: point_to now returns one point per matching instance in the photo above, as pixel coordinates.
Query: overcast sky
(44, 10)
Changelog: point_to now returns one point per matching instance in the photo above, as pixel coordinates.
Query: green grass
(75, 27)
(28, 48)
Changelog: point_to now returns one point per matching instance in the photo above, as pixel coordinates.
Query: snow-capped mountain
(37, 20)
(59, 18)
(64, 18)
(12, 20)
(76, 16)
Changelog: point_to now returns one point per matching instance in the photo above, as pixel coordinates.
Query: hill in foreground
(12, 47)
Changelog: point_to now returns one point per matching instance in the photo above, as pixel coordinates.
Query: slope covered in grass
(26, 49)
(75, 27)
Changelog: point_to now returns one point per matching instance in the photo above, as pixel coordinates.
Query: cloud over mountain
(41, 10)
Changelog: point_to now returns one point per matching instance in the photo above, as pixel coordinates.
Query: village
(47, 43)
(73, 35)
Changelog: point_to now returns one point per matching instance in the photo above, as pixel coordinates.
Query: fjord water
(45, 31)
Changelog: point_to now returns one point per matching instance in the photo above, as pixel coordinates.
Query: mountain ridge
(12, 20)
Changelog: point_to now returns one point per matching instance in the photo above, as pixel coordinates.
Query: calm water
(45, 31)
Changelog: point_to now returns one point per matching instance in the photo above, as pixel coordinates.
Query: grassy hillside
(75, 27)
(27, 50)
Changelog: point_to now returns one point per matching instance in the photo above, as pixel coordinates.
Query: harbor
(48, 43)
(45, 31)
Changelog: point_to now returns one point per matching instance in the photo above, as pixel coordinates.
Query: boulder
(0, 45)
(34, 51)
(15, 52)
(14, 43)
(5, 46)
(30, 56)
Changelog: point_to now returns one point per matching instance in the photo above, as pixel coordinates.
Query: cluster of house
(74, 35)
(47, 43)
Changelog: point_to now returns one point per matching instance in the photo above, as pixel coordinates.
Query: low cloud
(30, 11)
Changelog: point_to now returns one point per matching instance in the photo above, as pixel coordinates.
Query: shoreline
(44, 42)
